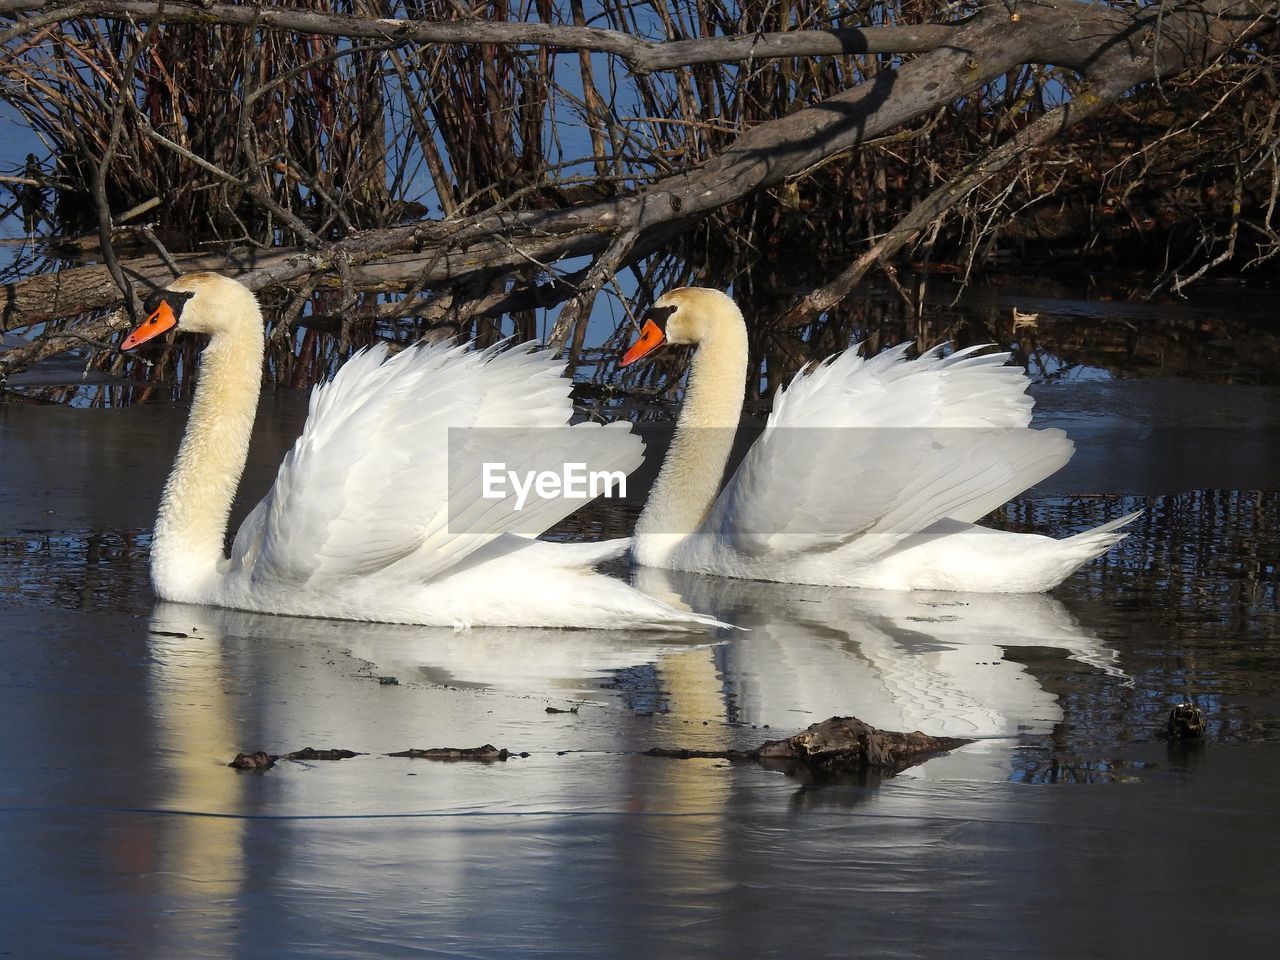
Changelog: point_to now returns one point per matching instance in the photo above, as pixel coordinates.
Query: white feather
(869, 472)
(378, 511)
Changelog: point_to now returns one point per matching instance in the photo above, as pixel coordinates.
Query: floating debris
(310, 753)
(1186, 722)
(839, 745)
(258, 760)
(680, 753)
(487, 753)
(1030, 321)
(559, 710)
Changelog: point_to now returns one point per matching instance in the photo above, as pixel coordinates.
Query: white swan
(370, 518)
(870, 473)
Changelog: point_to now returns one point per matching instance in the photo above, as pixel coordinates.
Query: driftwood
(840, 745)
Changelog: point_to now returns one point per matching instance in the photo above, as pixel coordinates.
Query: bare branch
(643, 56)
(606, 265)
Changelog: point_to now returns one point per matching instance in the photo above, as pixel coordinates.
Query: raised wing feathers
(884, 446)
(370, 483)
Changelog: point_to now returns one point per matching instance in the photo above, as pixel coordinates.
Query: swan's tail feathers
(601, 601)
(1069, 555)
(1095, 542)
(622, 606)
(587, 554)
(688, 620)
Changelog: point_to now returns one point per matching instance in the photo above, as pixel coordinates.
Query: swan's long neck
(187, 545)
(690, 477)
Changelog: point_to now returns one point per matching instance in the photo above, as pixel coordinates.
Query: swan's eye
(174, 299)
(660, 316)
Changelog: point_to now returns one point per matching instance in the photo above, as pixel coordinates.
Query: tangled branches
(381, 168)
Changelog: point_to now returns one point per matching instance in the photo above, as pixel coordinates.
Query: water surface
(1068, 828)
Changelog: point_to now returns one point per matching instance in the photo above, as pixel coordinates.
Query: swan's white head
(690, 315)
(196, 303)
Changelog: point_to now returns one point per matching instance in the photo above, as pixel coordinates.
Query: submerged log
(261, 760)
(847, 744)
(486, 753)
(680, 753)
(310, 753)
(840, 745)
(258, 760)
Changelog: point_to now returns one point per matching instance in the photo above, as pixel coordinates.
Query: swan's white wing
(377, 481)
(884, 446)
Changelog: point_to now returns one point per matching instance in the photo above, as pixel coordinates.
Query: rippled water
(1070, 827)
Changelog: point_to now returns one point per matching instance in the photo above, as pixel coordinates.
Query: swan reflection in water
(225, 681)
(934, 662)
(899, 660)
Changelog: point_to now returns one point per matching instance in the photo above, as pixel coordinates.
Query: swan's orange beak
(161, 319)
(651, 338)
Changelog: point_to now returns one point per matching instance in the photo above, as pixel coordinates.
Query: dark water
(1069, 828)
